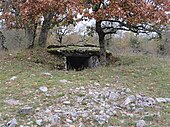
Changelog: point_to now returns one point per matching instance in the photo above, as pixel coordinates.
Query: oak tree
(29, 13)
(138, 16)
(11, 15)
(52, 11)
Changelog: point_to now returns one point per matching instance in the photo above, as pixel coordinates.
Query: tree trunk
(60, 39)
(101, 34)
(30, 33)
(2, 42)
(45, 29)
(103, 59)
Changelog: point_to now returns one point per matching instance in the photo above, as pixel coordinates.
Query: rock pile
(94, 106)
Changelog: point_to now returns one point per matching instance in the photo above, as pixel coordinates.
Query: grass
(142, 74)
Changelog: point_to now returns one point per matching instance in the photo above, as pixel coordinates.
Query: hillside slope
(35, 93)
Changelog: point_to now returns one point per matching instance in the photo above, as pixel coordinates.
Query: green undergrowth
(142, 74)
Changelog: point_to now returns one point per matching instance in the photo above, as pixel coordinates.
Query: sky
(81, 26)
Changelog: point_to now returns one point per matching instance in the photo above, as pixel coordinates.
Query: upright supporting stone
(65, 63)
(93, 62)
(2, 42)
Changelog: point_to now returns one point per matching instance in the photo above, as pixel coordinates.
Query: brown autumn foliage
(139, 16)
(131, 11)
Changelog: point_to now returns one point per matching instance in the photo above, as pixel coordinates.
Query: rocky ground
(93, 105)
(132, 93)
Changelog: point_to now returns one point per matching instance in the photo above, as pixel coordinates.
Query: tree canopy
(139, 16)
(128, 13)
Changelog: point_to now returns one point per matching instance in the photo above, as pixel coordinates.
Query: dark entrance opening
(76, 62)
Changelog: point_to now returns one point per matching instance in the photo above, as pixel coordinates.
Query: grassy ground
(145, 75)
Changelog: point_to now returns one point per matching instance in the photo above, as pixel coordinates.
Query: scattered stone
(13, 78)
(33, 75)
(72, 126)
(129, 100)
(43, 89)
(80, 99)
(141, 123)
(12, 123)
(113, 96)
(55, 119)
(58, 111)
(47, 74)
(107, 84)
(12, 102)
(114, 126)
(82, 88)
(163, 100)
(67, 102)
(74, 114)
(93, 103)
(39, 122)
(64, 81)
(96, 84)
(29, 58)
(144, 101)
(127, 90)
(111, 112)
(116, 79)
(0, 116)
(130, 115)
(48, 111)
(69, 121)
(101, 112)
(139, 110)
(102, 119)
(26, 110)
(168, 100)
(84, 114)
(48, 95)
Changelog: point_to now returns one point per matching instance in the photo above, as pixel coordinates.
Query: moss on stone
(75, 50)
